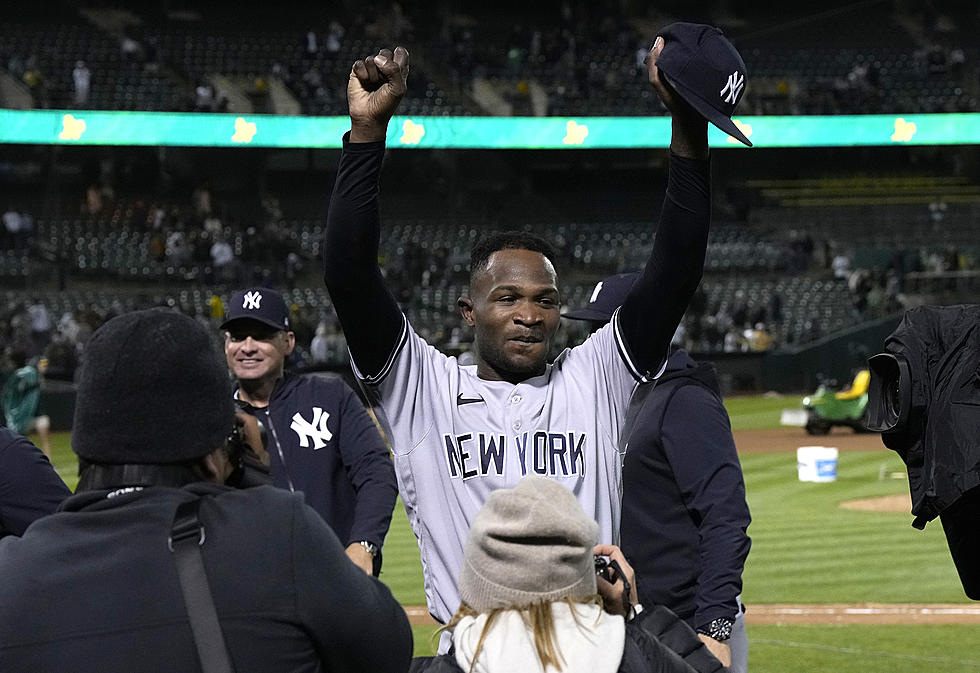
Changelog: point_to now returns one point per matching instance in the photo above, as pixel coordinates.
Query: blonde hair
(538, 616)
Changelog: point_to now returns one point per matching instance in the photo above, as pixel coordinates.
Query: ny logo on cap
(252, 300)
(733, 87)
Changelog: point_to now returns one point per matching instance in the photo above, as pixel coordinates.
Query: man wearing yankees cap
(461, 432)
(320, 439)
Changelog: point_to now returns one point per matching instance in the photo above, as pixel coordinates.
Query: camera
(250, 463)
(604, 568)
(924, 397)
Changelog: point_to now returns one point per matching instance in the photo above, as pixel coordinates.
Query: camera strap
(185, 541)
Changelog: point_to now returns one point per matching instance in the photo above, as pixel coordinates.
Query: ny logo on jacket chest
(315, 431)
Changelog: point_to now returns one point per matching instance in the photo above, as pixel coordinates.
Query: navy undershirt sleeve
(657, 301)
(368, 312)
(697, 440)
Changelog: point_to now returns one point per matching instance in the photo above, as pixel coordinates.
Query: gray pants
(739, 643)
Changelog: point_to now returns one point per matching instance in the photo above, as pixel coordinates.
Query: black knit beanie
(152, 390)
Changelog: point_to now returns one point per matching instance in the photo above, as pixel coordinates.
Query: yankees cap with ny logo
(706, 70)
(259, 303)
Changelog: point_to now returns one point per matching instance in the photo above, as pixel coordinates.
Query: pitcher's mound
(886, 503)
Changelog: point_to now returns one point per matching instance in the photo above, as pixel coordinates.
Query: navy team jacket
(322, 442)
(684, 511)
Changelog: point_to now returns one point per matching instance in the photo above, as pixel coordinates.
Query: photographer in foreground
(155, 564)
(535, 597)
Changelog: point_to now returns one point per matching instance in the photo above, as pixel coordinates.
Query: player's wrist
(369, 547)
(719, 629)
(367, 132)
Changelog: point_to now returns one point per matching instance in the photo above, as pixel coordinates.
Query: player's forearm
(369, 470)
(697, 441)
(689, 136)
(658, 300)
(353, 231)
(372, 512)
(368, 313)
(724, 548)
(376, 490)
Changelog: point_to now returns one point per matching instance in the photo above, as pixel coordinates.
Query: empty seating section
(855, 60)
(51, 49)
(826, 303)
(427, 267)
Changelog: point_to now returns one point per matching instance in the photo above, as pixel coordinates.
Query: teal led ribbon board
(82, 127)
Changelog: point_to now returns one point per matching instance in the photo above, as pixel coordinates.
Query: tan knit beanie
(529, 544)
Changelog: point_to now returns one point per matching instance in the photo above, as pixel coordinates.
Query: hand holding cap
(705, 70)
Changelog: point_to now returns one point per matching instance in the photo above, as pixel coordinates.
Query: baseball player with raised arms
(461, 432)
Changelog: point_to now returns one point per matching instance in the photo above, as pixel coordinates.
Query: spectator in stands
(337, 458)
(201, 199)
(34, 80)
(320, 345)
(203, 97)
(151, 424)
(733, 340)
(40, 324)
(760, 340)
(841, 266)
(532, 600)
(312, 46)
(29, 486)
(178, 252)
(81, 78)
(92, 205)
(223, 260)
(335, 37)
(216, 309)
(130, 49)
(12, 221)
(158, 246)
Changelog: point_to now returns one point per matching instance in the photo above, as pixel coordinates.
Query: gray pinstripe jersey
(456, 438)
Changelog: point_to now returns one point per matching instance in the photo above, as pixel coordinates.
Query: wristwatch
(370, 548)
(718, 629)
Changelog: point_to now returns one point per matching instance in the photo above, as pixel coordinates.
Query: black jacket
(344, 470)
(29, 486)
(656, 642)
(684, 512)
(94, 587)
(940, 444)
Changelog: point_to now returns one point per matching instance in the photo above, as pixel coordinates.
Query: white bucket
(817, 463)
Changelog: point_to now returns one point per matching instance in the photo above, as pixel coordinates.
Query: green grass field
(758, 413)
(805, 549)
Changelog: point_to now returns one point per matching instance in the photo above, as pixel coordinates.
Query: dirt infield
(835, 613)
(886, 503)
(789, 439)
(865, 613)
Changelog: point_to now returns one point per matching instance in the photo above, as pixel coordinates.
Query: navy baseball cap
(706, 70)
(261, 304)
(608, 295)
